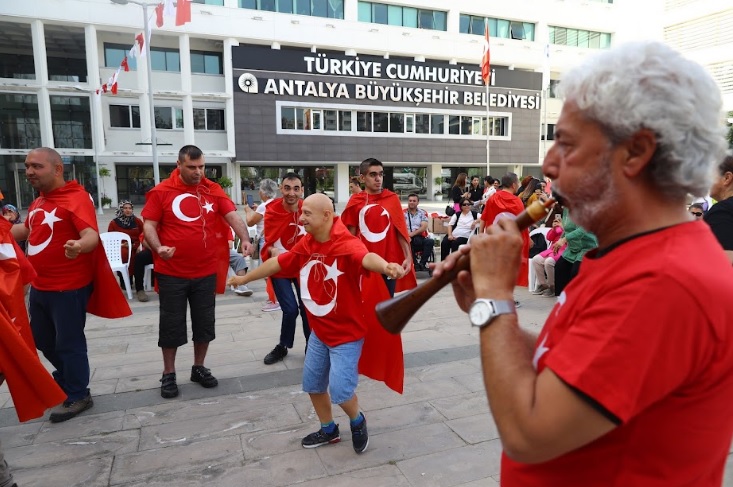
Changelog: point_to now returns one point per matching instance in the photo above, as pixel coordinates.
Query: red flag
(159, 15)
(124, 64)
(140, 39)
(183, 12)
(104, 87)
(485, 60)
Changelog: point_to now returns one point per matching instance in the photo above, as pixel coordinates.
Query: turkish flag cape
(31, 386)
(107, 300)
(505, 202)
(281, 224)
(222, 231)
(381, 356)
(389, 248)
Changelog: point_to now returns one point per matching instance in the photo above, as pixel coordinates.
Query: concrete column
(453, 23)
(142, 100)
(184, 50)
(351, 10)
(92, 51)
(40, 63)
(228, 71)
(434, 171)
(341, 183)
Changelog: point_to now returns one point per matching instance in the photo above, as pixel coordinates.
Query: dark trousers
(565, 271)
(448, 246)
(57, 321)
(421, 244)
(391, 284)
(175, 295)
(143, 258)
(291, 308)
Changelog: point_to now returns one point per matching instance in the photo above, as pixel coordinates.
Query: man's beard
(592, 197)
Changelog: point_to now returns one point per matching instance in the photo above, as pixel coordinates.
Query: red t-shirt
(505, 204)
(645, 332)
(51, 226)
(191, 224)
(329, 275)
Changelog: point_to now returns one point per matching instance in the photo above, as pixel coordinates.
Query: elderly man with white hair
(630, 381)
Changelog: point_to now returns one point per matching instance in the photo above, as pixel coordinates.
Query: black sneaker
(168, 386)
(203, 376)
(320, 438)
(67, 410)
(360, 437)
(278, 353)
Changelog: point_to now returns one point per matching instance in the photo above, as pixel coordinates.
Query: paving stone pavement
(247, 431)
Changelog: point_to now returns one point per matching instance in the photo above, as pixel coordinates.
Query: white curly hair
(649, 85)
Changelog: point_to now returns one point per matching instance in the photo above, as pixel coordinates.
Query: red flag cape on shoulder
(505, 202)
(31, 386)
(389, 248)
(175, 184)
(107, 300)
(281, 226)
(381, 356)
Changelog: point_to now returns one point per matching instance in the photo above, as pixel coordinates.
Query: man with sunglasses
(696, 210)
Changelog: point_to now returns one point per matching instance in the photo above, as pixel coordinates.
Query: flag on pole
(124, 64)
(486, 59)
(169, 10)
(159, 15)
(140, 42)
(183, 12)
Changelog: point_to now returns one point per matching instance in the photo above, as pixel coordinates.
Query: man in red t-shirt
(187, 220)
(375, 216)
(331, 264)
(72, 276)
(630, 381)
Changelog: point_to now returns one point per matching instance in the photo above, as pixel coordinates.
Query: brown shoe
(67, 410)
(142, 297)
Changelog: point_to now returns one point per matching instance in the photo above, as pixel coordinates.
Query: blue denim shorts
(333, 368)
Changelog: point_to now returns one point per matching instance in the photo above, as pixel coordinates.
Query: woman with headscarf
(126, 222)
(11, 214)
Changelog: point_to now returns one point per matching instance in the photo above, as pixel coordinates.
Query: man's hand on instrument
(495, 259)
(394, 271)
(166, 252)
(406, 265)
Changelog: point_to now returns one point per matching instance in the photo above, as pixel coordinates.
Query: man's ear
(640, 148)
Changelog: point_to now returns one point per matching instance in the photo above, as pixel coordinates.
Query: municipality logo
(248, 83)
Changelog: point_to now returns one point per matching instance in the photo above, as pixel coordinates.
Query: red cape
(389, 248)
(222, 231)
(381, 356)
(505, 202)
(107, 300)
(278, 226)
(31, 386)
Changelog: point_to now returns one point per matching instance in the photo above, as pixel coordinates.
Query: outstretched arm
(375, 263)
(268, 268)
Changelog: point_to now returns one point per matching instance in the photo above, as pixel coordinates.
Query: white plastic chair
(532, 278)
(148, 278)
(112, 242)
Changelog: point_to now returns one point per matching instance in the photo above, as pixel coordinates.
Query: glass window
(173, 61)
(397, 122)
(379, 13)
(561, 36)
(410, 123)
(119, 116)
(517, 30)
(199, 119)
(425, 19)
(364, 121)
(409, 17)
(454, 124)
(215, 119)
(437, 124)
(502, 29)
(394, 15)
(210, 2)
(365, 12)
(287, 118)
(583, 38)
(345, 121)
(19, 122)
(248, 4)
(301, 7)
(551, 39)
(422, 123)
(179, 117)
(197, 62)
(464, 25)
(594, 40)
(335, 9)
(381, 122)
(493, 28)
(163, 118)
(135, 110)
(268, 5)
(71, 122)
(302, 119)
(529, 31)
(466, 125)
(157, 60)
(605, 41)
(572, 39)
(478, 24)
(440, 20)
(206, 62)
(316, 119)
(330, 118)
(113, 55)
(319, 8)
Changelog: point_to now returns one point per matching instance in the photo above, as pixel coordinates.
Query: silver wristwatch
(483, 311)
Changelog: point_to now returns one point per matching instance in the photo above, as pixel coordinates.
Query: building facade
(316, 86)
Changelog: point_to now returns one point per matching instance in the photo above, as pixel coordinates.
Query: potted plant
(438, 188)
(225, 182)
(106, 201)
(104, 173)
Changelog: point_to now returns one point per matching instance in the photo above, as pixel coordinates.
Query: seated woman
(126, 222)
(460, 227)
(544, 262)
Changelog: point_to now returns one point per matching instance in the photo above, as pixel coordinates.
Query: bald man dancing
(331, 297)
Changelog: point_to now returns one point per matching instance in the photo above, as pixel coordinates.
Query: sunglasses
(466, 204)
(696, 213)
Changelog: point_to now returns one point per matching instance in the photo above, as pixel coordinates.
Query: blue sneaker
(360, 436)
(320, 438)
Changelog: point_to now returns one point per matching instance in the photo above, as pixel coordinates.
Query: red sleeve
(27, 272)
(226, 206)
(153, 209)
(79, 224)
(289, 265)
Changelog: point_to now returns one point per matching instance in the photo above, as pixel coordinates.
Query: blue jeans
(290, 307)
(57, 321)
(333, 368)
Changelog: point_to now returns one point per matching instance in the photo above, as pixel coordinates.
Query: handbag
(449, 210)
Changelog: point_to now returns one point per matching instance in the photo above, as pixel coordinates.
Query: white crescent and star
(504, 214)
(366, 231)
(176, 207)
(301, 229)
(541, 350)
(49, 219)
(332, 273)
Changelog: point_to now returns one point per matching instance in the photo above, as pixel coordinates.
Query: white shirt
(463, 229)
(488, 194)
(260, 226)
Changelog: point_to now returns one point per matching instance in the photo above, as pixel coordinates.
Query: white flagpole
(488, 128)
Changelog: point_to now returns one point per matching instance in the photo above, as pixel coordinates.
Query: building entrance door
(23, 188)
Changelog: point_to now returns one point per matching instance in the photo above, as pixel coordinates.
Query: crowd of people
(627, 383)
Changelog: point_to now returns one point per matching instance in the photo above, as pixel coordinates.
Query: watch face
(479, 313)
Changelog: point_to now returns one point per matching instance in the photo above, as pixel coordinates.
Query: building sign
(367, 75)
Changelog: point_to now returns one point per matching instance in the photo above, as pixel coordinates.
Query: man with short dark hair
(187, 220)
(375, 216)
(282, 231)
(720, 215)
(416, 220)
